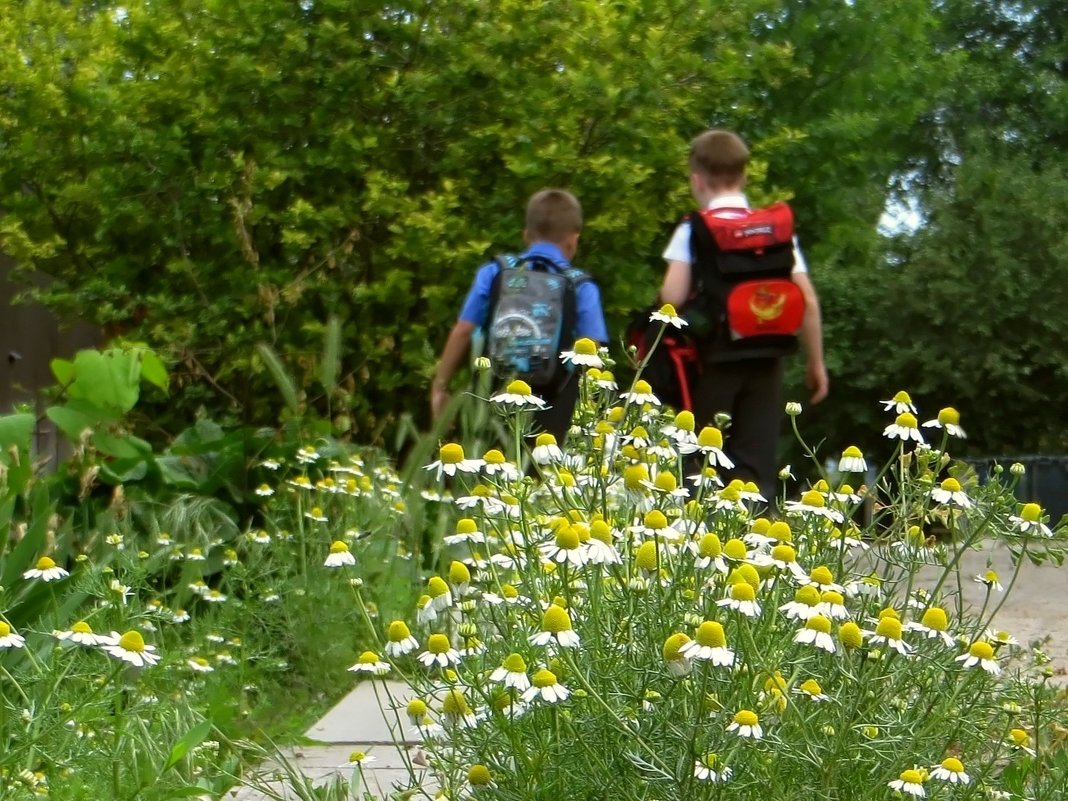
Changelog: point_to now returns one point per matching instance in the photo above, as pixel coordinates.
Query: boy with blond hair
(551, 233)
(745, 385)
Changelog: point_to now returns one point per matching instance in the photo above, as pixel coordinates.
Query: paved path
(1037, 609)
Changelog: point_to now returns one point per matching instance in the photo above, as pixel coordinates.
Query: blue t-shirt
(589, 316)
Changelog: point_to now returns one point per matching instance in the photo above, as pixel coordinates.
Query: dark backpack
(745, 304)
(531, 318)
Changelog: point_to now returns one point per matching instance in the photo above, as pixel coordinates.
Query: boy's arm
(676, 287)
(812, 339)
(451, 357)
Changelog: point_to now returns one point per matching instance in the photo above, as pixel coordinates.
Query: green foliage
(257, 169)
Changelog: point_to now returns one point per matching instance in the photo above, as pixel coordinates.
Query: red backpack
(742, 265)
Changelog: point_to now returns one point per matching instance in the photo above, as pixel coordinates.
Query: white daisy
(742, 598)
(439, 651)
(519, 394)
(131, 647)
(666, 314)
(899, 404)
(949, 419)
(904, 428)
(950, 492)
(747, 724)
(817, 632)
(545, 687)
(810, 688)
(1029, 521)
(451, 460)
(980, 654)
(951, 770)
(889, 631)
(910, 781)
(555, 625)
(584, 354)
(9, 638)
(546, 451)
(400, 639)
(708, 769)
(640, 394)
(852, 461)
(991, 580)
(46, 570)
(814, 504)
(370, 662)
(81, 633)
(709, 644)
(339, 556)
(512, 673)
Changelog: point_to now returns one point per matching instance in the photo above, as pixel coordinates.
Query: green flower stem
(654, 756)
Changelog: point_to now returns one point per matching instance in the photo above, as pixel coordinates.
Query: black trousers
(751, 393)
(561, 400)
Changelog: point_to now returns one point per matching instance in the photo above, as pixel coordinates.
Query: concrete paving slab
(359, 716)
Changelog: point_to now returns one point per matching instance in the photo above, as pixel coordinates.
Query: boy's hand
(439, 399)
(817, 381)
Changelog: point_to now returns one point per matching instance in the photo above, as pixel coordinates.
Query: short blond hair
(719, 156)
(553, 215)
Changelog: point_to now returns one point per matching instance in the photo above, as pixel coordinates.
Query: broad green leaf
(192, 738)
(16, 430)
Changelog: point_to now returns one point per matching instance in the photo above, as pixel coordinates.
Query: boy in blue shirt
(553, 226)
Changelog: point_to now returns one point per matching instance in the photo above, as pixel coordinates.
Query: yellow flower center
(634, 475)
(585, 347)
(1031, 512)
(655, 519)
(902, 397)
(710, 760)
(666, 482)
(454, 703)
(906, 420)
(567, 538)
(949, 416)
(518, 387)
(935, 618)
(417, 708)
(807, 595)
(672, 645)
(812, 687)
(981, 650)
(684, 421)
(822, 575)
(953, 765)
(745, 573)
(357, 756)
(780, 531)
(889, 612)
(852, 452)
(889, 627)
(814, 499)
(819, 623)
(437, 644)
(45, 563)
(451, 453)
(478, 776)
(508, 591)
(458, 573)
(555, 619)
(368, 658)
(466, 526)
(833, 598)
(784, 553)
(746, 717)
(436, 587)
(743, 591)
(5, 629)
(850, 635)
(493, 456)
(710, 546)
(399, 631)
(514, 663)
(735, 549)
(951, 485)
(81, 627)
(543, 678)
(912, 776)
(1020, 737)
(710, 633)
(710, 437)
(668, 310)
(337, 546)
(642, 387)
(132, 641)
(646, 557)
(544, 440)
